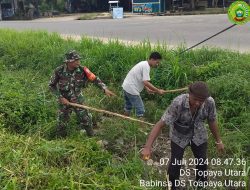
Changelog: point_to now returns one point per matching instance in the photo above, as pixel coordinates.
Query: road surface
(172, 30)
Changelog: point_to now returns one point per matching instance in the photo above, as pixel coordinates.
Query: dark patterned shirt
(68, 84)
(183, 126)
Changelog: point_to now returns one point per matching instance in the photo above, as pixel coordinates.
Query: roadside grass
(91, 16)
(34, 158)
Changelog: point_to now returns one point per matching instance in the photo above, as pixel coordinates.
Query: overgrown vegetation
(32, 158)
(90, 16)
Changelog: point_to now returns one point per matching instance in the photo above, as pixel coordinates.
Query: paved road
(173, 30)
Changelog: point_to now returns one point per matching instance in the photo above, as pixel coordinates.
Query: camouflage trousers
(83, 116)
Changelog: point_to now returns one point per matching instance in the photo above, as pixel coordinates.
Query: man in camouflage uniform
(185, 117)
(66, 83)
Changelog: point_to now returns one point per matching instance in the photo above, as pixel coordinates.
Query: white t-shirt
(133, 83)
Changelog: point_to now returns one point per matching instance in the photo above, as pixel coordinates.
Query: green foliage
(35, 163)
(45, 7)
(40, 52)
(232, 94)
(27, 60)
(24, 102)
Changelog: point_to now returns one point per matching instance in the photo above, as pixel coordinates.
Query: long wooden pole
(108, 112)
(209, 38)
(176, 90)
(119, 115)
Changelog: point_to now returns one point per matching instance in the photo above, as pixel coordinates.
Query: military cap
(72, 55)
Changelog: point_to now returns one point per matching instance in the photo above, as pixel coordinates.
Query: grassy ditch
(31, 156)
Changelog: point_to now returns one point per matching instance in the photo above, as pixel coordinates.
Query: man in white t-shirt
(138, 78)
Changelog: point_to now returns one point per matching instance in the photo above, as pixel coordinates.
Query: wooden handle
(176, 90)
(108, 112)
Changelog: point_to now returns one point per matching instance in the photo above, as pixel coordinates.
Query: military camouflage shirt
(68, 84)
(179, 118)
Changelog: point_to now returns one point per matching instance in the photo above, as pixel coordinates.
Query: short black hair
(155, 55)
(199, 89)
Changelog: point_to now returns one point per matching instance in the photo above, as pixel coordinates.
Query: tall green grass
(34, 159)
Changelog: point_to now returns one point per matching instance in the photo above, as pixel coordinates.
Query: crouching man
(186, 117)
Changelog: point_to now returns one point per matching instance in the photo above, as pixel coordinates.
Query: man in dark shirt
(66, 83)
(185, 117)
